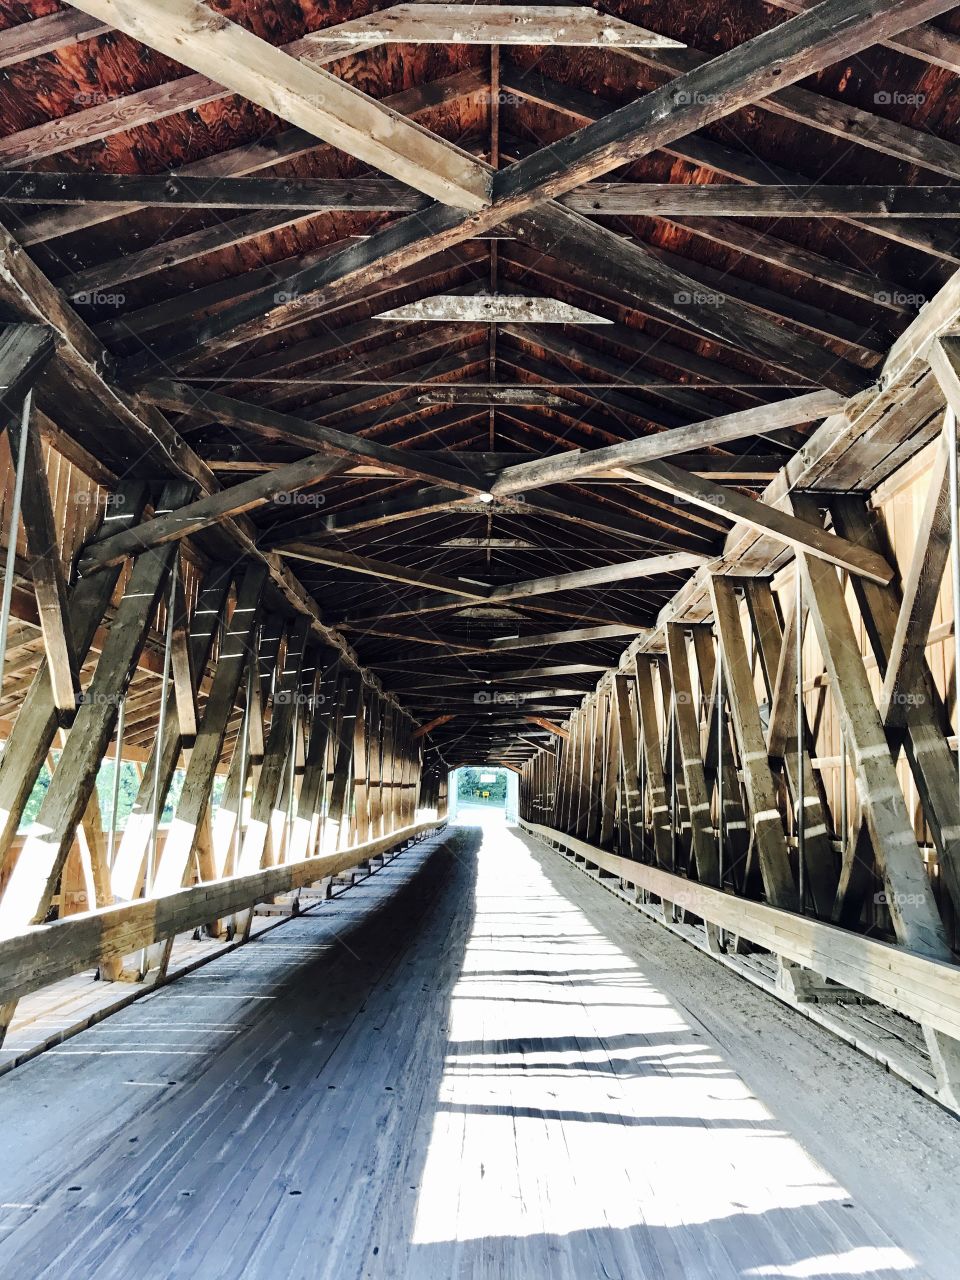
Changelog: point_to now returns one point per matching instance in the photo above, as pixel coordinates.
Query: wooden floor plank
(476, 1062)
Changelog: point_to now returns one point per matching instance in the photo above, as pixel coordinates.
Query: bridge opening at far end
(482, 795)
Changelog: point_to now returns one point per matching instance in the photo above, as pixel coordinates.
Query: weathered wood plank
(130, 858)
(308, 97)
(761, 515)
(485, 308)
(780, 676)
(36, 725)
(910, 897)
(763, 811)
(207, 404)
(46, 566)
(24, 351)
(46, 953)
(172, 526)
(574, 466)
(33, 880)
(206, 752)
(516, 24)
(921, 591)
(703, 840)
(43, 35)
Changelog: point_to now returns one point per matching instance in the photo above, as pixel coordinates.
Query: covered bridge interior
(564, 389)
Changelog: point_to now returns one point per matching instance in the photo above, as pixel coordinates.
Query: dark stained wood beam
(180, 397)
(644, 279)
(926, 42)
(170, 190)
(409, 345)
(385, 195)
(739, 166)
(772, 200)
(24, 351)
(749, 73)
(606, 299)
(186, 521)
(250, 157)
(698, 400)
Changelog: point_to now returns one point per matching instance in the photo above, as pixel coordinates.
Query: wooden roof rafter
(565, 413)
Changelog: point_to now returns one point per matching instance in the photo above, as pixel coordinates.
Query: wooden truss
(318, 447)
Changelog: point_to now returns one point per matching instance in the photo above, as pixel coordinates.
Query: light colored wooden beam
(36, 725)
(921, 591)
(521, 24)
(171, 526)
(388, 571)
(911, 902)
(33, 880)
(205, 754)
(46, 566)
(487, 308)
(650, 566)
(579, 635)
(758, 784)
(191, 33)
(36, 957)
(571, 467)
(761, 515)
(703, 841)
(557, 730)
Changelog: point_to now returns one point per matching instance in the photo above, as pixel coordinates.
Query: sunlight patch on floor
(576, 1096)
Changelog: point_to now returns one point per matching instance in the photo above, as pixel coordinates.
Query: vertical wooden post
(611, 768)
(653, 756)
(764, 814)
(127, 873)
(338, 813)
(703, 840)
(819, 859)
(206, 752)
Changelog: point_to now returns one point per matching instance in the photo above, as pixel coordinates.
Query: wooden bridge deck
(474, 1064)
